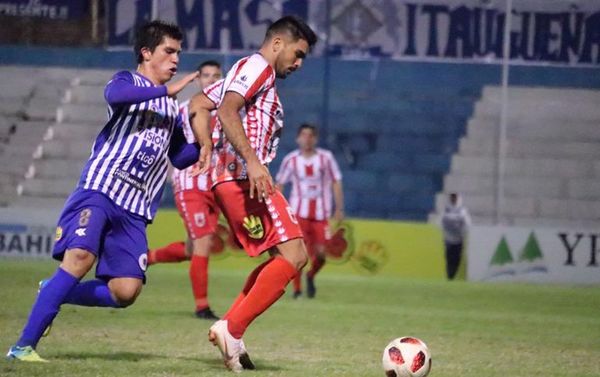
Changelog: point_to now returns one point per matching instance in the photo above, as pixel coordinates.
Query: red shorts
(258, 226)
(316, 232)
(199, 212)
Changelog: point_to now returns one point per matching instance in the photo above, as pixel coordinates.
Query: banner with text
(542, 31)
(49, 9)
(27, 233)
(533, 255)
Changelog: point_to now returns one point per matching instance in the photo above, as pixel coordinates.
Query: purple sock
(91, 293)
(46, 307)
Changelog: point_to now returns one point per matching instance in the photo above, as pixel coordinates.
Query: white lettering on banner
(533, 254)
(37, 8)
(26, 244)
(558, 32)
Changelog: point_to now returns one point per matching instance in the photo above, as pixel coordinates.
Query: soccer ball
(406, 357)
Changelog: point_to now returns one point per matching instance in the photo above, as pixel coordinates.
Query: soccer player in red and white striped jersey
(250, 120)
(197, 208)
(314, 176)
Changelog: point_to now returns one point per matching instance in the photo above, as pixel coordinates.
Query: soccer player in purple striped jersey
(105, 218)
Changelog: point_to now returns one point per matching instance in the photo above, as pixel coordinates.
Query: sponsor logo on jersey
(59, 233)
(145, 159)
(80, 232)
(129, 178)
(254, 226)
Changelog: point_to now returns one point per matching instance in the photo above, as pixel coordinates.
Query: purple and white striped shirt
(129, 159)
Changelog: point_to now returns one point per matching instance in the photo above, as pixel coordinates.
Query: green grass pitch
(483, 330)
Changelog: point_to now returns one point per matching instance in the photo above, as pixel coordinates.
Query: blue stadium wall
(393, 126)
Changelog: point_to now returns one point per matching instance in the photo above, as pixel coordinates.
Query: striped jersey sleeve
(250, 79)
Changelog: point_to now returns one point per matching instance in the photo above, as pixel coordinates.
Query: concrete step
(584, 189)
(548, 187)
(83, 113)
(76, 132)
(93, 77)
(528, 129)
(58, 168)
(539, 109)
(27, 201)
(48, 188)
(531, 149)
(522, 93)
(485, 205)
(523, 167)
(574, 209)
(66, 149)
(86, 94)
(42, 109)
(13, 107)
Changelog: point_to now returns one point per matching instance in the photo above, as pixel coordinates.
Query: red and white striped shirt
(311, 178)
(262, 117)
(182, 179)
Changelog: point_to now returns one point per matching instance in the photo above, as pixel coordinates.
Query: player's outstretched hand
(261, 182)
(177, 86)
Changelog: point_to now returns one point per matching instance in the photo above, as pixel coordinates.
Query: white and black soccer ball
(406, 357)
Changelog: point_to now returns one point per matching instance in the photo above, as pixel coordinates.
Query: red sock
(268, 287)
(199, 279)
(297, 282)
(173, 252)
(316, 265)
(247, 286)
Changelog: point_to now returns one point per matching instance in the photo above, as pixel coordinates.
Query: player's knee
(125, 297)
(125, 292)
(301, 257)
(78, 261)
(203, 245)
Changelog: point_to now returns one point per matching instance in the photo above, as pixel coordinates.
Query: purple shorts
(93, 222)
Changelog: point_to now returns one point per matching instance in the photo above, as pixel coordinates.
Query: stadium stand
(47, 124)
(551, 173)
(394, 128)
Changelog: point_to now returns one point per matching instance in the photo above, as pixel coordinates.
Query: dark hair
(294, 26)
(209, 63)
(151, 34)
(308, 126)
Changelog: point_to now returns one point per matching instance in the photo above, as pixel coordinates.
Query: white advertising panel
(496, 253)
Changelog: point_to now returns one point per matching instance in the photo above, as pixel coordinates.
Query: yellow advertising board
(365, 247)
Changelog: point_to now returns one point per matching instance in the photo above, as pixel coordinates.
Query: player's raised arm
(229, 116)
(122, 90)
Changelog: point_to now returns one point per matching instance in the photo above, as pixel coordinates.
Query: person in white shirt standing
(315, 177)
(455, 222)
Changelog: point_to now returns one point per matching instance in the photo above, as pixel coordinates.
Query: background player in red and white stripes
(314, 176)
(197, 208)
